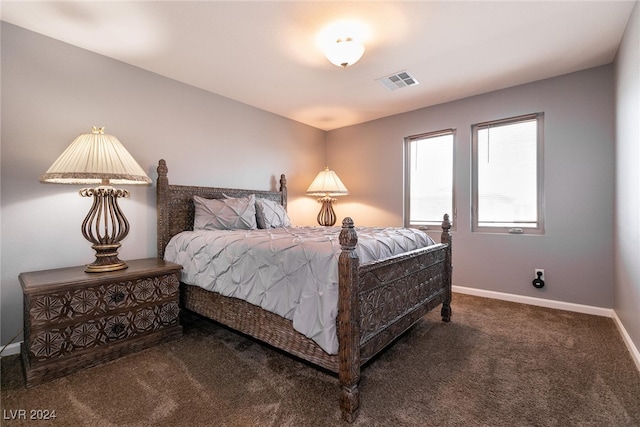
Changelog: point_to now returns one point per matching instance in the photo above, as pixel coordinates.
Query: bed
(377, 301)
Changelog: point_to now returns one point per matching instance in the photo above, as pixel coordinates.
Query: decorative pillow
(225, 214)
(271, 214)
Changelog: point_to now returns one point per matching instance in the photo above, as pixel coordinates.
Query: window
(508, 175)
(429, 179)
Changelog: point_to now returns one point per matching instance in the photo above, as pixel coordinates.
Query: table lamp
(100, 159)
(327, 185)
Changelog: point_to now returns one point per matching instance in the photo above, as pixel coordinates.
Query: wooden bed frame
(378, 301)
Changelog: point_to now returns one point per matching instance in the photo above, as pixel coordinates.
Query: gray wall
(52, 92)
(627, 213)
(577, 248)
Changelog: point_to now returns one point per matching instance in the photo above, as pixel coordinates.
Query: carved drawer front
(62, 341)
(73, 304)
(74, 320)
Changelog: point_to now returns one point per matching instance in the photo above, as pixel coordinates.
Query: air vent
(398, 80)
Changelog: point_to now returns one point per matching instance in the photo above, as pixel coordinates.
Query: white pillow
(225, 214)
(271, 214)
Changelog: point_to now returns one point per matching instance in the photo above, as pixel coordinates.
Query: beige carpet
(496, 364)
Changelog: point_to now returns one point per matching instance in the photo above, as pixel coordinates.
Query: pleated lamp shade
(327, 183)
(93, 158)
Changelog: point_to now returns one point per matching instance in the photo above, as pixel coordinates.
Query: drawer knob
(117, 329)
(117, 297)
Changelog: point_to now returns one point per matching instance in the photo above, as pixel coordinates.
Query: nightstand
(74, 320)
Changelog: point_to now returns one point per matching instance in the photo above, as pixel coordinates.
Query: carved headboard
(175, 209)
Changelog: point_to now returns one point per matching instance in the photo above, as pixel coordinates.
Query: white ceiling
(266, 53)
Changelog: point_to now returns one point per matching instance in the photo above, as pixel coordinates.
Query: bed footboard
(381, 300)
(394, 295)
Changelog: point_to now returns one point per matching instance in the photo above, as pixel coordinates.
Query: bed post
(445, 237)
(348, 322)
(283, 190)
(162, 198)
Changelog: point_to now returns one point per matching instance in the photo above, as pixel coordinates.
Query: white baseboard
(540, 302)
(578, 308)
(13, 348)
(635, 354)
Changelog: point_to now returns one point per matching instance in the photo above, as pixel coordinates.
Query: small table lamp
(327, 184)
(96, 158)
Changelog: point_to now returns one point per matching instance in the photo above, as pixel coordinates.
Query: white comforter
(290, 271)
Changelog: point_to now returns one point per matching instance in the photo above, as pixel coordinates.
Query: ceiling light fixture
(344, 52)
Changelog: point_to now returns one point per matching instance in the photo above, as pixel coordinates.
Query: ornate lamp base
(106, 259)
(105, 226)
(326, 216)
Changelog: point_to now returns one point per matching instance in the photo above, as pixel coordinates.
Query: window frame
(407, 179)
(515, 229)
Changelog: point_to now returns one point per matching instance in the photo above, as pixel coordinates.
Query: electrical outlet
(541, 271)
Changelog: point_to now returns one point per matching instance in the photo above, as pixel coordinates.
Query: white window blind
(508, 174)
(429, 178)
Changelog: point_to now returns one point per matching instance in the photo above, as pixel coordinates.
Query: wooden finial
(348, 236)
(162, 168)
